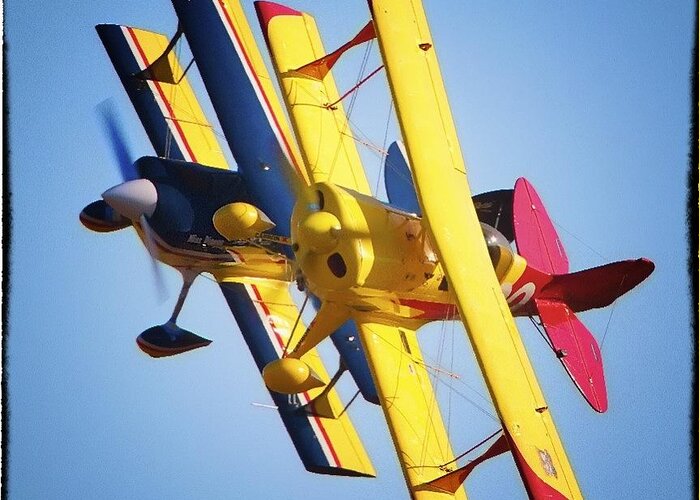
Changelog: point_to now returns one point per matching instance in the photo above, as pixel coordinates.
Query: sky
(589, 100)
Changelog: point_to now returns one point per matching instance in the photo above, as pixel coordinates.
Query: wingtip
(267, 10)
(647, 265)
(104, 28)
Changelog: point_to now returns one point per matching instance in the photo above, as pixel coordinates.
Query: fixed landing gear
(169, 339)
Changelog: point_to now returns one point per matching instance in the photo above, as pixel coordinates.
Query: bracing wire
(612, 309)
(351, 105)
(386, 134)
(542, 334)
(472, 448)
(296, 323)
(580, 240)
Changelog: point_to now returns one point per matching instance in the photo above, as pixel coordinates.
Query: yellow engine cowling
(344, 239)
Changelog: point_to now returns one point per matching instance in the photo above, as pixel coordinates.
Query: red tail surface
(577, 350)
(535, 236)
(599, 286)
(559, 294)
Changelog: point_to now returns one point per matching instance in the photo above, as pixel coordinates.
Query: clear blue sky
(590, 101)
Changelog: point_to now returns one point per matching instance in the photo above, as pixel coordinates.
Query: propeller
(116, 137)
(135, 198)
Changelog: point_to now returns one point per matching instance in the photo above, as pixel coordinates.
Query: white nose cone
(133, 199)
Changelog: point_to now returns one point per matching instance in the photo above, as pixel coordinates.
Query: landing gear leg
(169, 339)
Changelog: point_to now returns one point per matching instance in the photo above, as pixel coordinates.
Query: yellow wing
(410, 407)
(323, 132)
(439, 172)
(189, 128)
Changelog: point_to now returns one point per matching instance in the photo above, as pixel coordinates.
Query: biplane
(299, 211)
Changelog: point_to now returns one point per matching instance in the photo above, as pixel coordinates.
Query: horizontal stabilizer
(577, 349)
(452, 481)
(599, 286)
(535, 236)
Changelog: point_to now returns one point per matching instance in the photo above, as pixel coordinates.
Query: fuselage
(380, 262)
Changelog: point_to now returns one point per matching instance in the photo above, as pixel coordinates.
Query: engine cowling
(344, 239)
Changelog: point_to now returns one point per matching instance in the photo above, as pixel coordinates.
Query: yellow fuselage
(357, 251)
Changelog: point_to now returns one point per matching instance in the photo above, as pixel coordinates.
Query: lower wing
(316, 420)
(161, 94)
(410, 407)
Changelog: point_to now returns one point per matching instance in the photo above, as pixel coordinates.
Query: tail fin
(575, 346)
(562, 293)
(535, 236)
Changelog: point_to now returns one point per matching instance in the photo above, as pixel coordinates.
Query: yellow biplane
(303, 212)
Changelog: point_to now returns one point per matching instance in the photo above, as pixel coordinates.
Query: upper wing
(323, 132)
(409, 404)
(439, 173)
(320, 429)
(167, 106)
(244, 99)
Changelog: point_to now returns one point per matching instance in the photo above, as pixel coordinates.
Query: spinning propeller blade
(115, 134)
(151, 246)
(135, 198)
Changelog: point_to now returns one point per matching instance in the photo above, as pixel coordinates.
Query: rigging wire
(472, 448)
(331, 105)
(386, 153)
(542, 334)
(296, 323)
(580, 240)
(449, 392)
(351, 105)
(612, 309)
(453, 389)
(434, 395)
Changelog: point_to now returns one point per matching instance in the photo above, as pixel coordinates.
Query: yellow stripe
(439, 171)
(187, 112)
(410, 407)
(324, 135)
